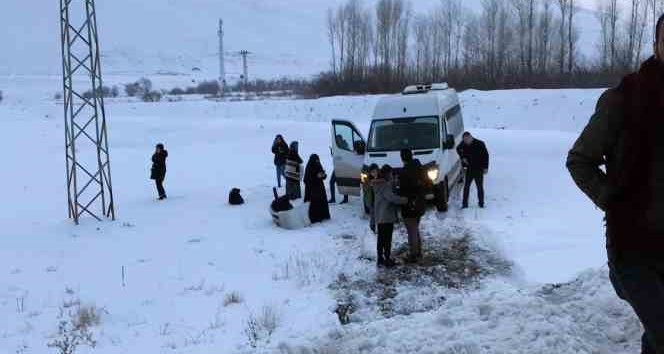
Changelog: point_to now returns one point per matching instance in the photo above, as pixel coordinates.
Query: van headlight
(364, 177)
(433, 174)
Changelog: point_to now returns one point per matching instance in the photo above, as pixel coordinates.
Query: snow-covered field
(183, 258)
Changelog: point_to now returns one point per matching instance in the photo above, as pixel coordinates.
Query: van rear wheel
(442, 196)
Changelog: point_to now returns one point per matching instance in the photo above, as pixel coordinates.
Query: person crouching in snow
(385, 212)
(158, 172)
(314, 190)
(293, 172)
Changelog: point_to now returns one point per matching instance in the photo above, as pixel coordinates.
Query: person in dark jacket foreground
(475, 159)
(625, 135)
(385, 213)
(410, 186)
(293, 172)
(158, 171)
(314, 190)
(280, 151)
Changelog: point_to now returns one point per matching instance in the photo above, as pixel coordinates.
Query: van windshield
(404, 133)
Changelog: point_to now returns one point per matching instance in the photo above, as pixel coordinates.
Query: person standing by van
(293, 172)
(158, 171)
(410, 186)
(280, 151)
(475, 159)
(624, 135)
(385, 211)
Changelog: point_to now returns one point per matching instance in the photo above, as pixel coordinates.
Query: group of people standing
(288, 165)
(382, 196)
(385, 200)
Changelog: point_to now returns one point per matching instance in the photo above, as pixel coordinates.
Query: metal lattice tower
(89, 187)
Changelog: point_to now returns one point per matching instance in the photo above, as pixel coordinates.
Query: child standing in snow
(385, 213)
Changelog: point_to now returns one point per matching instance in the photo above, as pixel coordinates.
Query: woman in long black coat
(158, 171)
(314, 190)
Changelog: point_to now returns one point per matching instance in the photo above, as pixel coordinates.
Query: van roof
(415, 105)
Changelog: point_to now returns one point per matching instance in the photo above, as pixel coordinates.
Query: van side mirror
(449, 143)
(360, 147)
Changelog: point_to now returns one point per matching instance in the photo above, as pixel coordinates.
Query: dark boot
(345, 200)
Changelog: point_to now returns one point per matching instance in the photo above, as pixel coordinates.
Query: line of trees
(507, 44)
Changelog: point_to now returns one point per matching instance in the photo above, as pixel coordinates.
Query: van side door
(348, 150)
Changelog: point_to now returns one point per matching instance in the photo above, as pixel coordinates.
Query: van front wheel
(442, 196)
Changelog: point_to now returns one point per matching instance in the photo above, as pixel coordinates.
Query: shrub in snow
(0, 95)
(106, 92)
(76, 330)
(138, 88)
(233, 298)
(208, 88)
(177, 91)
(262, 326)
(58, 95)
(152, 96)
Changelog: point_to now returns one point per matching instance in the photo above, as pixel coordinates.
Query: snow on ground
(183, 257)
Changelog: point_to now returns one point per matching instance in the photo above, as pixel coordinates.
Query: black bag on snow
(234, 198)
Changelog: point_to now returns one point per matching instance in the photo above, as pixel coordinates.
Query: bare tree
(521, 10)
(332, 36)
(572, 36)
(543, 40)
(563, 6)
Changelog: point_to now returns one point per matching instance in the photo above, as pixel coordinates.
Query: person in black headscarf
(293, 172)
(314, 190)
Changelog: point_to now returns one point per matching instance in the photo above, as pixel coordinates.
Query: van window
(404, 133)
(345, 137)
(454, 121)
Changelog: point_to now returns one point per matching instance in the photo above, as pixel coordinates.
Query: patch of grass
(260, 327)
(233, 298)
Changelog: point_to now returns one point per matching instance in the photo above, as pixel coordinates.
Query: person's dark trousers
(478, 178)
(280, 173)
(640, 281)
(160, 188)
(333, 190)
(384, 242)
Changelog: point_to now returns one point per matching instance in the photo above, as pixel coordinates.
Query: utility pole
(222, 67)
(89, 188)
(245, 69)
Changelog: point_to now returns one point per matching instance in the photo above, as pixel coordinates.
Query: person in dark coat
(280, 151)
(314, 190)
(411, 187)
(158, 171)
(293, 172)
(475, 159)
(385, 206)
(617, 162)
